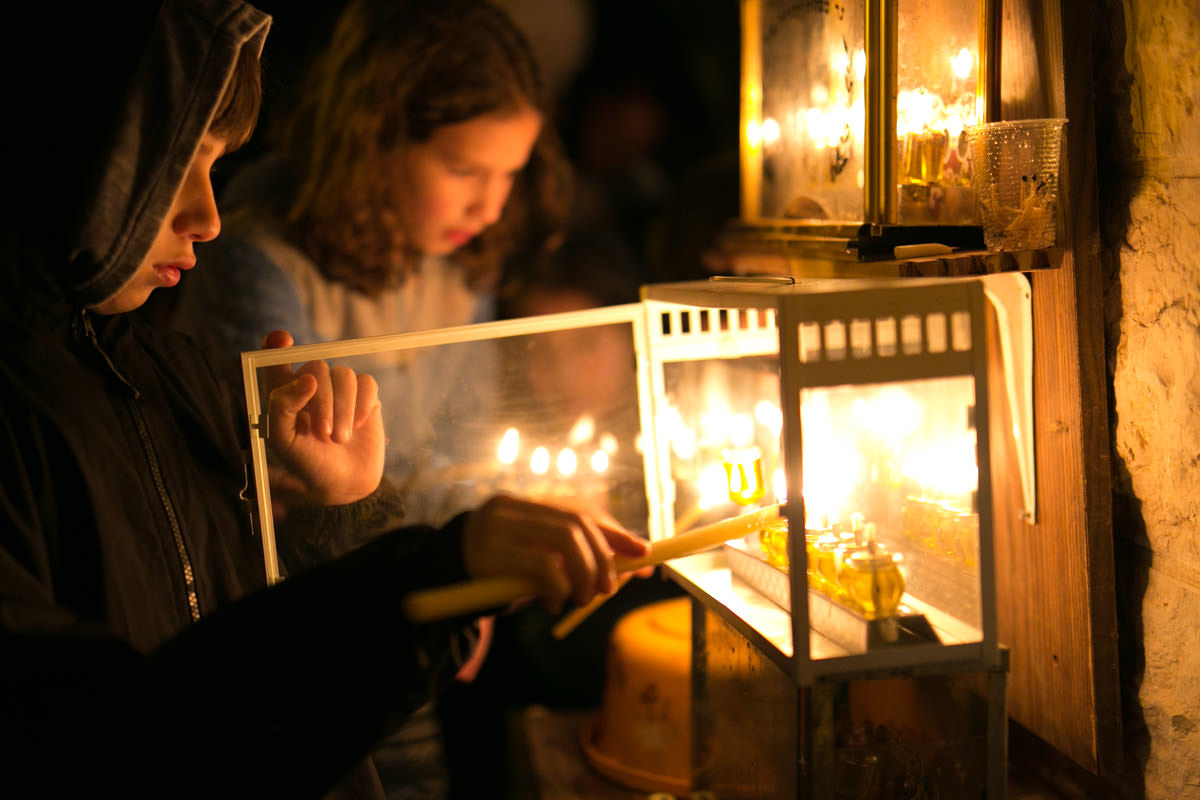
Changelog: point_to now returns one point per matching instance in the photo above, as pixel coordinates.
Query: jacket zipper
(139, 420)
(185, 560)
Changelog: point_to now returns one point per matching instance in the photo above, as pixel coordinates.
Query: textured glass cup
(1015, 167)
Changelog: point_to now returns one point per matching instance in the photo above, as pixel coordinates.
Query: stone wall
(1148, 140)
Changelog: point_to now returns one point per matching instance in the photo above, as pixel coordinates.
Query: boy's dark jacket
(121, 467)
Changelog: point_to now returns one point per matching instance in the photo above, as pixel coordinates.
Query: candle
(479, 595)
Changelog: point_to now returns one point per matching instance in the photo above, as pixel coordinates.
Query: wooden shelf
(782, 261)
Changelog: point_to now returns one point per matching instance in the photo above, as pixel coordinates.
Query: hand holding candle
(562, 551)
(507, 584)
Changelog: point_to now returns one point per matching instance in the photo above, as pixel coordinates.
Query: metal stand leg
(822, 744)
(997, 733)
(702, 722)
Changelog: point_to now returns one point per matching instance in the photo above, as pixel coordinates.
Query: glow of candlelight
(962, 63)
(917, 111)
(817, 127)
(681, 438)
(714, 424)
(840, 61)
(770, 131)
(567, 462)
(753, 134)
(582, 431)
(539, 461)
(831, 467)
(712, 486)
(955, 125)
(891, 414)
(860, 65)
(779, 484)
(599, 461)
(770, 417)
(510, 445)
(946, 468)
(741, 430)
(608, 443)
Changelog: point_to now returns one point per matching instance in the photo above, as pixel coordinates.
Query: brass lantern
(853, 119)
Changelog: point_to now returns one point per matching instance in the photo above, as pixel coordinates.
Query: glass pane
(722, 424)
(813, 67)
(890, 469)
(551, 414)
(937, 90)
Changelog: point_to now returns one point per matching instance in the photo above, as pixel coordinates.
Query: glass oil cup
(874, 583)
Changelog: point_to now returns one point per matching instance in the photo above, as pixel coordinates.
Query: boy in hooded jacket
(141, 652)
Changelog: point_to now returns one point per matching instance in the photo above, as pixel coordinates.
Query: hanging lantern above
(853, 120)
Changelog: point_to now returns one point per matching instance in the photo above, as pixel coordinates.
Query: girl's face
(451, 187)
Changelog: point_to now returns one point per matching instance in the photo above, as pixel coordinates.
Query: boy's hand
(325, 426)
(567, 553)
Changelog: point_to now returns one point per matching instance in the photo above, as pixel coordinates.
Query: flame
(770, 131)
(713, 486)
(962, 63)
(539, 461)
(770, 417)
(860, 65)
(567, 462)
(582, 431)
(510, 446)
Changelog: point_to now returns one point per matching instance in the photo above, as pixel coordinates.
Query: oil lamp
(853, 118)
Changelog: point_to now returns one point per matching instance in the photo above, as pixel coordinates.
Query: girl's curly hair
(393, 73)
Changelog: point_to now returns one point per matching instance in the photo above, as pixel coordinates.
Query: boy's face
(192, 218)
(453, 186)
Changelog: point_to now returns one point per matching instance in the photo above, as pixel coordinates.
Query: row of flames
(732, 456)
(582, 439)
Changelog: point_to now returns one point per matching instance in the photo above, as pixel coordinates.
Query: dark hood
(98, 142)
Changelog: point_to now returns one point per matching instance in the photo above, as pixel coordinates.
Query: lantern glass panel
(721, 427)
(860, 408)
(810, 116)
(545, 408)
(937, 97)
(813, 71)
(893, 465)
